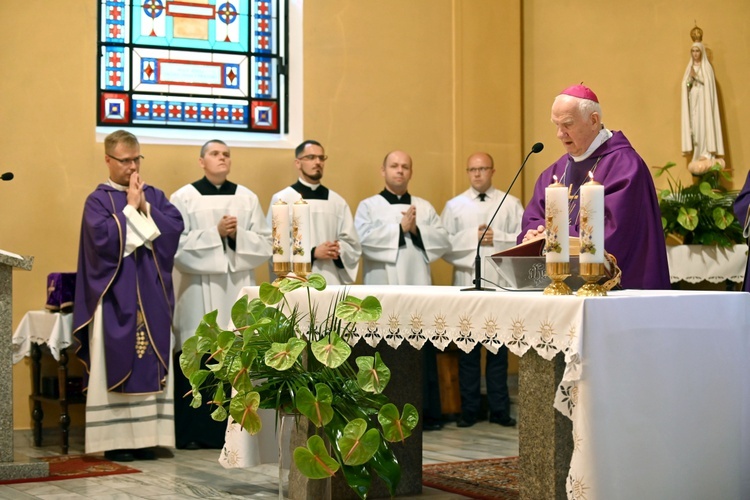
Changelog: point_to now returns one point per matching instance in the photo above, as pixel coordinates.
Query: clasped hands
(328, 250)
(136, 196)
(409, 220)
(227, 226)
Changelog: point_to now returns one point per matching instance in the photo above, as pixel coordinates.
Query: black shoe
(464, 421)
(119, 455)
(144, 454)
(432, 426)
(504, 421)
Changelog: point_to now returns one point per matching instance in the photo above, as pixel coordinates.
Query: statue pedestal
(11, 467)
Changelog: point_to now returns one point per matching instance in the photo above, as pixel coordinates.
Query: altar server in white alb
(401, 234)
(466, 216)
(225, 238)
(336, 251)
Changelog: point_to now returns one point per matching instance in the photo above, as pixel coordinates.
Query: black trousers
(496, 375)
(194, 425)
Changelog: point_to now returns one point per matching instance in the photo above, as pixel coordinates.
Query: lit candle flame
(591, 175)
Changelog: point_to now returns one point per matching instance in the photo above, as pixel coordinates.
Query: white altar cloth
(696, 263)
(656, 382)
(42, 327)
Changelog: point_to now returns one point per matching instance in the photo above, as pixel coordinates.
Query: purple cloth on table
(633, 231)
(139, 283)
(741, 205)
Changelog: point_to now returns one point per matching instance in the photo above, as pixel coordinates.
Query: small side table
(54, 330)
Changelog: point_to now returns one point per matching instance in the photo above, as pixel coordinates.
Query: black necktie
(482, 196)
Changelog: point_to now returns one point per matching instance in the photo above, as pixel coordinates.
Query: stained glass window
(193, 64)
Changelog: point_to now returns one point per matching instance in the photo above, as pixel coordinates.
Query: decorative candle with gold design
(557, 244)
(301, 234)
(280, 236)
(591, 219)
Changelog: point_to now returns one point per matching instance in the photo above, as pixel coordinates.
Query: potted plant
(699, 214)
(275, 357)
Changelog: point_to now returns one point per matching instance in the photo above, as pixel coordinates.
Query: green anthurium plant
(702, 213)
(272, 361)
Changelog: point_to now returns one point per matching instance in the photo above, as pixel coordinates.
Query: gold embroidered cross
(51, 287)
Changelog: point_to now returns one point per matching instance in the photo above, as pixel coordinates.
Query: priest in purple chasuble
(741, 210)
(123, 308)
(633, 230)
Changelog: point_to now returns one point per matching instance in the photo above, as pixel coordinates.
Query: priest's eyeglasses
(474, 170)
(313, 157)
(127, 161)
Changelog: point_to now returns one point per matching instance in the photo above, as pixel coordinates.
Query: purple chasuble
(136, 291)
(632, 221)
(741, 206)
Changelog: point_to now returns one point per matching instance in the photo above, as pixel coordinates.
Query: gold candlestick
(281, 269)
(558, 271)
(592, 273)
(302, 269)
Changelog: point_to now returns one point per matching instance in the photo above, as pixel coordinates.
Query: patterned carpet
(489, 479)
(76, 466)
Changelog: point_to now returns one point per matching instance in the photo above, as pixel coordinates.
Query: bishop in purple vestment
(741, 209)
(633, 230)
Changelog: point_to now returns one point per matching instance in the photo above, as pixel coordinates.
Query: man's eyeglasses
(474, 170)
(127, 161)
(313, 157)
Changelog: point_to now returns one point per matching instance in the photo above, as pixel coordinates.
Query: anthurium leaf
(353, 309)
(331, 350)
(373, 374)
(290, 283)
(208, 326)
(192, 353)
(722, 218)
(238, 369)
(246, 313)
(688, 218)
(244, 410)
(283, 356)
(706, 190)
(219, 414)
(224, 343)
(397, 427)
(316, 407)
(314, 461)
(358, 444)
(316, 281)
(270, 294)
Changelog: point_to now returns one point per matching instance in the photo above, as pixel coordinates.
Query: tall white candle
(280, 231)
(301, 232)
(557, 242)
(591, 218)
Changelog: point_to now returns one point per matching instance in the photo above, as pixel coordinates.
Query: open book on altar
(523, 267)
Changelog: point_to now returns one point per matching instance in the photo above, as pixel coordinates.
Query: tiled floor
(197, 474)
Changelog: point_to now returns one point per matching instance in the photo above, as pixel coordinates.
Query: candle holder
(281, 269)
(591, 273)
(558, 271)
(302, 269)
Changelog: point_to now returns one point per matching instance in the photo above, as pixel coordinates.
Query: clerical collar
(117, 186)
(206, 188)
(308, 192)
(600, 139)
(394, 199)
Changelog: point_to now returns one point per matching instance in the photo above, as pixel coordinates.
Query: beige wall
(421, 75)
(633, 55)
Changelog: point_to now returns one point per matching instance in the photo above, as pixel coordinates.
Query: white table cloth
(42, 327)
(657, 383)
(696, 263)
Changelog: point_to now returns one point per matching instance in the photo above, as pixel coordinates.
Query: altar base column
(10, 467)
(545, 436)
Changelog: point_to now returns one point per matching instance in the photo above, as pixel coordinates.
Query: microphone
(7, 176)
(478, 259)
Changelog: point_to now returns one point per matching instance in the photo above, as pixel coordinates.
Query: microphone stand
(478, 259)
